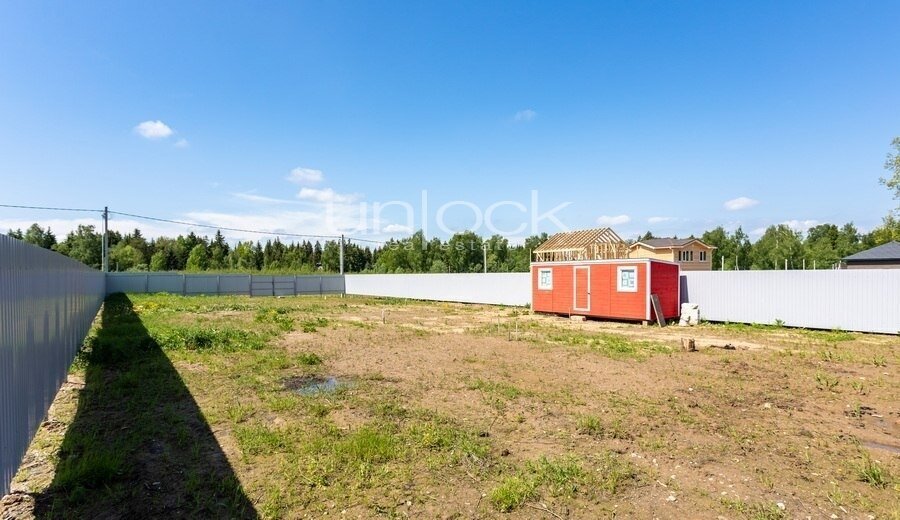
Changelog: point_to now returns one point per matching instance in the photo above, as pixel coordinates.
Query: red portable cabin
(616, 289)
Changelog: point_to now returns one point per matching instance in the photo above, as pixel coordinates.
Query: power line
(194, 224)
(239, 230)
(51, 209)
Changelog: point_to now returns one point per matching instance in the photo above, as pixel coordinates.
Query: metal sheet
(865, 300)
(490, 288)
(47, 304)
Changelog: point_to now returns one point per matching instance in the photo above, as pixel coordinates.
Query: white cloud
(524, 116)
(657, 220)
(613, 221)
(396, 228)
(153, 130)
(305, 176)
(182, 143)
(326, 195)
(740, 203)
(801, 225)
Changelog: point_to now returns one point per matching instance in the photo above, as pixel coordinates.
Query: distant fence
(213, 284)
(47, 304)
(865, 300)
(490, 288)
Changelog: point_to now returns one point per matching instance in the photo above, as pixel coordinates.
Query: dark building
(885, 256)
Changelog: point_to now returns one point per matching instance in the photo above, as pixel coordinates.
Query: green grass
(308, 359)
(93, 469)
(610, 345)
(257, 439)
(873, 473)
(754, 510)
(594, 426)
(512, 492)
(313, 324)
(279, 316)
(565, 477)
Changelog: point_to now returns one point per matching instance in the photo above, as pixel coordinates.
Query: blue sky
(641, 115)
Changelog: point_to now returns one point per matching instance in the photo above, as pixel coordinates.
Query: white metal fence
(248, 284)
(490, 288)
(865, 300)
(47, 304)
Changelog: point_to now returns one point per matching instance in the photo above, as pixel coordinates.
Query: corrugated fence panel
(866, 300)
(166, 283)
(201, 284)
(490, 288)
(47, 304)
(254, 285)
(234, 284)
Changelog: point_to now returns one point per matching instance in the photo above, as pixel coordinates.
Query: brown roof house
(690, 253)
(885, 256)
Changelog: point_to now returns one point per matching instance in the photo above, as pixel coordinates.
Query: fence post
(184, 285)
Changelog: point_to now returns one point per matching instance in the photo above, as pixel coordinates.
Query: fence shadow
(139, 446)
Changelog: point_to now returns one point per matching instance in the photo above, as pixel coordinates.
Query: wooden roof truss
(589, 244)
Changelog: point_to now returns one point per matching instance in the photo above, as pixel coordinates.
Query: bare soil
(788, 424)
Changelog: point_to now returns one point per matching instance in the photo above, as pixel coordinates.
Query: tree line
(821, 247)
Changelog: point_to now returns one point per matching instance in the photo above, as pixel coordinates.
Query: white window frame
(545, 286)
(703, 256)
(619, 271)
(686, 255)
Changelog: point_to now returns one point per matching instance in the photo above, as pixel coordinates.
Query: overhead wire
(195, 224)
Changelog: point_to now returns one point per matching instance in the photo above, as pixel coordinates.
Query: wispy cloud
(153, 130)
(616, 220)
(305, 176)
(740, 203)
(261, 199)
(657, 220)
(524, 116)
(326, 195)
(182, 143)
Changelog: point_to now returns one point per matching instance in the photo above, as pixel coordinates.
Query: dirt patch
(467, 411)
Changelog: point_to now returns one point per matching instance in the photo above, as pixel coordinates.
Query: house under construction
(588, 244)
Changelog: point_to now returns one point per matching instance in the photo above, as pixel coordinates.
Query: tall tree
(84, 244)
(777, 245)
(892, 165)
(35, 235)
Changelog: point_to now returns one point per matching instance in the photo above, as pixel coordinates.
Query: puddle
(883, 447)
(313, 385)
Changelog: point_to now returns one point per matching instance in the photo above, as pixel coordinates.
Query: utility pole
(342, 254)
(484, 250)
(105, 248)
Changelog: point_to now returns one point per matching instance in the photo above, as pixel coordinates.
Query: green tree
(159, 261)
(778, 243)
(124, 257)
(35, 235)
(198, 259)
(892, 165)
(464, 253)
(84, 244)
(16, 233)
(888, 230)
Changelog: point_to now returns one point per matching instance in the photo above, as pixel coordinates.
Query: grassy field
(232, 407)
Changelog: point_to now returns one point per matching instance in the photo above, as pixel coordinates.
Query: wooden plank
(657, 310)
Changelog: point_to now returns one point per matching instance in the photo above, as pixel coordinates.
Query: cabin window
(702, 256)
(686, 256)
(626, 281)
(545, 279)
